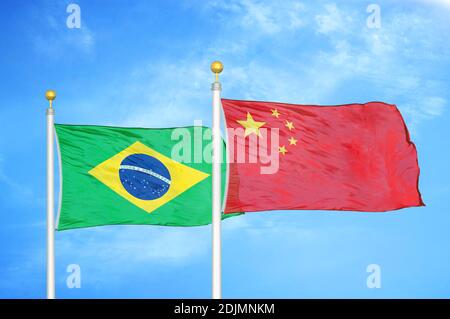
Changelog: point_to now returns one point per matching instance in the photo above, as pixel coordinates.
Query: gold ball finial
(50, 95)
(216, 68)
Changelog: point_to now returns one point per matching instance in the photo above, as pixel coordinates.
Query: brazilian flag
(140, 176)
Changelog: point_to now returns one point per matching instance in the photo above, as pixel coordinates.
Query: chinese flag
(355, 157)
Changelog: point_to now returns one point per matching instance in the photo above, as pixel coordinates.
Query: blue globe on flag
(144, 176)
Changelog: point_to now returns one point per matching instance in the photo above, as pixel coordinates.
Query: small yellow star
(282, 150)
(289, 125)
(251, 126)
(275, 113)
(292, 141)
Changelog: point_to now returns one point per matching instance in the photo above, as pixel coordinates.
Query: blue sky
(142, 63)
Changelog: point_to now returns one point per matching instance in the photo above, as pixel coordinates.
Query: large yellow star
(251, 126)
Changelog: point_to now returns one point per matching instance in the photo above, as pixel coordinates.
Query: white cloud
(167, 94)
(332, 20)
(267, 17)
(54, 38)
(57, 42)
(433, 106)
(132, 245)
(390, 58)
(424, 108)
(444, 3)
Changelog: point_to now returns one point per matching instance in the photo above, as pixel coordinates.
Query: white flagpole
(50, 96)
(216, 68)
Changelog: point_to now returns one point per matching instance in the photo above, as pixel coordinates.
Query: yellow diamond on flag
(145, 177)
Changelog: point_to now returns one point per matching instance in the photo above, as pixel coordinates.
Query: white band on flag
(146, 171)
